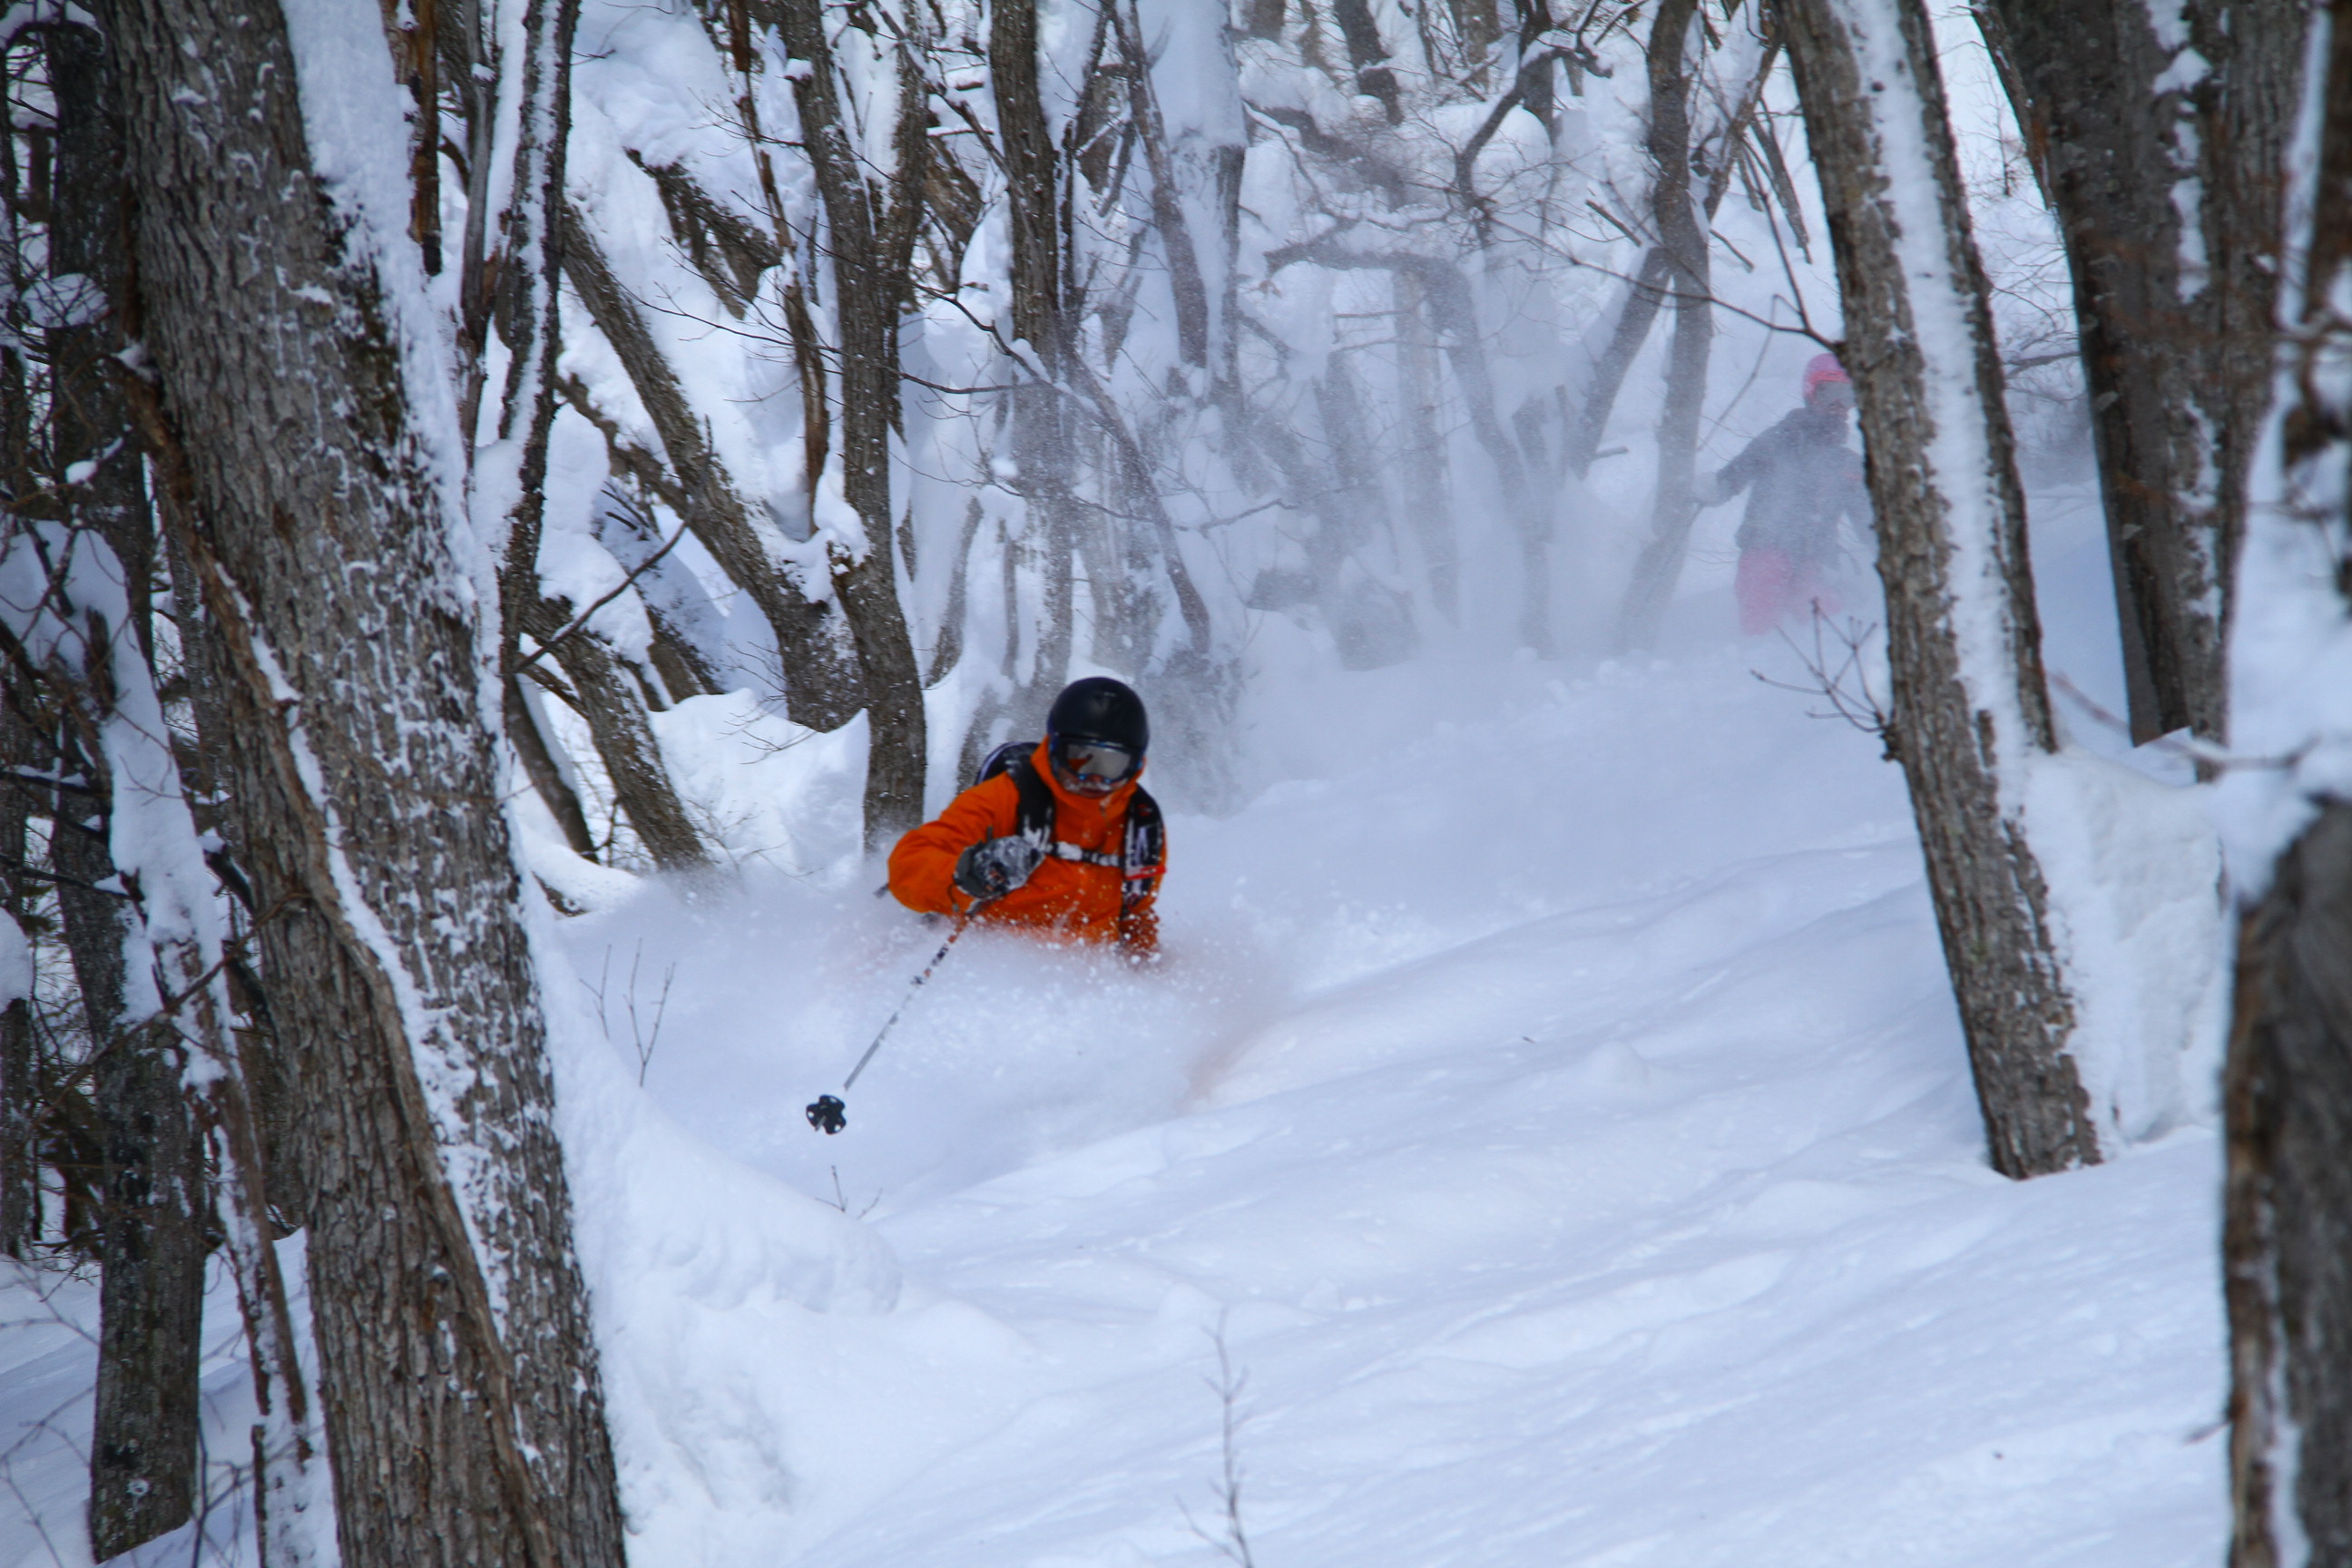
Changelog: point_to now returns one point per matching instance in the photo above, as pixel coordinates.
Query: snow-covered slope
(1557, 1113)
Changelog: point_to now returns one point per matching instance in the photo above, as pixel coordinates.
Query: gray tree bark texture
(460, 1384)
(823, 686)
(870, 220)
(603, 693)
(2288, 1236)
(2287, 1082)
(20, 1157)
(1683, 242)
(2173, 346)
(546, 775)
(143, 1437)
(1044, 439)
(1961, 713)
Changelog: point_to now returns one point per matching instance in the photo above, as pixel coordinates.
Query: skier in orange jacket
(1058, 837)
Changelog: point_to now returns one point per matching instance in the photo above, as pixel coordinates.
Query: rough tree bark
(461, 1396)
(20, 1166)
(2162, 164)
(1971, 711)
(1044, 452)
(822, 688)
(1683, 242)
(870, 221)
(2287, 1084)
(603, 693)
(530, 321)
(143, 1453)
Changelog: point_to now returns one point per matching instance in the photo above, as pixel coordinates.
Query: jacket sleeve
(923, 867)
(1747, 467)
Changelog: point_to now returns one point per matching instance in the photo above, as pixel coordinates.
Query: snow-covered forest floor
(1552, 1100)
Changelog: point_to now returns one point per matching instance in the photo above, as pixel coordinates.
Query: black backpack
(1144, 852)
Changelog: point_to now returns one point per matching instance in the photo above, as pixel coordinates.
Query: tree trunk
(2168, 199)
(871, 226)
(823, 689)
(1647, 292)
(1424, 462)
(546, 775)
(462, 1399)
(1044, 448)
(1971, 711)
(2288, 1223)
(142, 1452)
(1684, 243)
(2287, 1083)
(606, 698)
(20, 1156)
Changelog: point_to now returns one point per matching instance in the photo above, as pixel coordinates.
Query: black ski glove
(994, 866)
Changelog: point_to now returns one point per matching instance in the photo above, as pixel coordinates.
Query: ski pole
(827, 1113)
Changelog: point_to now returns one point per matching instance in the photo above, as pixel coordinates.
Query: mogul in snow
(1802, 480)
(1059, 836)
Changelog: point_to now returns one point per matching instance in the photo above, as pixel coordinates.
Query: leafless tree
(2287, 1085)
(461, 1400)
(2161, 159)
(1972, 711)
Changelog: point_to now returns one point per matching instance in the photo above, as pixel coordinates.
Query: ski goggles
(1096, 762)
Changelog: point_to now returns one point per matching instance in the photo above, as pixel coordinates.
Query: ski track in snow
(1559, 1113)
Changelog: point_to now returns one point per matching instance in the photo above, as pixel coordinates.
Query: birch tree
(1971, 711)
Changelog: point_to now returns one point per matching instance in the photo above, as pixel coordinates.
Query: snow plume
(1320, 314)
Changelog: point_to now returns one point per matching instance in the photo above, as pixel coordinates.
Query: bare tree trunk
(462, 1398)
(871, 223)
(2173, 253)
(1424, 459)
(143, 1453)
(605, 696)
(1365, 55)
(2287, 1083)
(823, 689)
(531, 322)
(20, 1157)
(2288, 1222)
(1643, 296)
(1684, 245)
(1972, 711)
(539, 764)
(1186, 287)
(1044, 446)
(1647, 292)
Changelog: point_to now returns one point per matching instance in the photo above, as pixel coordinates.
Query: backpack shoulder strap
(1002, 758)
(1035, 819)
(1146, 848)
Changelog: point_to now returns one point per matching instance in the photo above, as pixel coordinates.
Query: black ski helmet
(1099, 709)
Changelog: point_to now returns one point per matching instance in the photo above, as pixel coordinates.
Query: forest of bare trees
(406, 416)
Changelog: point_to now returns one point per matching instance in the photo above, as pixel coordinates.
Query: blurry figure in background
(1057, 835)
(1802, 480)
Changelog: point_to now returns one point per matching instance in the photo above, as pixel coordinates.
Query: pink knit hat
(1820, 369)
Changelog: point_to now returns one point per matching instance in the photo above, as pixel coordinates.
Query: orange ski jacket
(1065, 896)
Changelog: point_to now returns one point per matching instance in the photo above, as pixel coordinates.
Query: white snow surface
(1557, 1106)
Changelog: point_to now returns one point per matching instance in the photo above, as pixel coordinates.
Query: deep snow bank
(1552, 1097)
